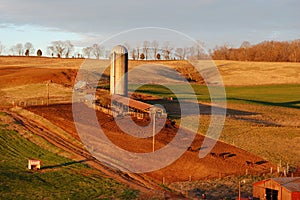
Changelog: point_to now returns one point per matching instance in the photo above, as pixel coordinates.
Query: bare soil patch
(224, 159)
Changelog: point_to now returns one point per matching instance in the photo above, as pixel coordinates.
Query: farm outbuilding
(34, 164)
(124, 105)
(121, 105)
(277, 189)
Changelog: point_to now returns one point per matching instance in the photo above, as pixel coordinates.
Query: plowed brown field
(189, 166)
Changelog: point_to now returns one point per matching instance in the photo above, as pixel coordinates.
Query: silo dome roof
(119, 49)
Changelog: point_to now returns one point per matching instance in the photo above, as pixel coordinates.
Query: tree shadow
(291, 104)
(65, 164)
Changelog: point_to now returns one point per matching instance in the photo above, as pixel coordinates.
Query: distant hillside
(32, 70)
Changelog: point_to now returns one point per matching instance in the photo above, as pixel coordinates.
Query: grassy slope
(60, 178)
(276, 95)
(275, 104)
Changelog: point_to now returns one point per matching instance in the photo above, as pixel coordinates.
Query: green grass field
(59, 178)
(273, 95)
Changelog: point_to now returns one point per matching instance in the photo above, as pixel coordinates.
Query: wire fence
(37, 102)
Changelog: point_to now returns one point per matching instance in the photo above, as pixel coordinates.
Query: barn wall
(272, 185)
(286, 195)
(259, 191)
(295, 196)
(275, 186)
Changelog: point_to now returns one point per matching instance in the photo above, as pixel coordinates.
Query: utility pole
(240, 181)
(239, 190)
(48, 93)
(153, 113)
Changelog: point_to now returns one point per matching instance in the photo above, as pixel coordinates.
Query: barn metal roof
(133, 103)
(290, 183)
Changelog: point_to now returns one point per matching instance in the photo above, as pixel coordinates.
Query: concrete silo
(118, 71)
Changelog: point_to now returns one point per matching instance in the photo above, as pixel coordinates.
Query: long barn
(120, 105)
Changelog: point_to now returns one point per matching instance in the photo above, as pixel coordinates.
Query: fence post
(271, 170)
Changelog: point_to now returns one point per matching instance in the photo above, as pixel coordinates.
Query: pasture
(59, 177)
(263, 119)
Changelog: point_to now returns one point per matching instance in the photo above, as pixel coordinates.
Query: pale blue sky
(214, 22)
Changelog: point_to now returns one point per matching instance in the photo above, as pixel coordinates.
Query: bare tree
(28, 48)
(294, 51)
(266, 51)
(185, 52)
(155, 46)
(97, 50)
(19, 49)
(61, 48)
(138, 52)
(180, 53)
(133, 55)
(69, 47)
(77, 54)
(221, 52)
(191, 52)
(57, 48)
(167, 49)
(245, 45)
(200, 54)
(146, 45)
(2, 47)
(87, 51)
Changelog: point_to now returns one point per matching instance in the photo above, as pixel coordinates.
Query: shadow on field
(65, 164)
(173, 108)
(291, 104)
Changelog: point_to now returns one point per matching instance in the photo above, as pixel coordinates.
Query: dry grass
(47, 124)
(236, 72)
(273, 133)
(43, 62)
(35, 91)
(259, 73)
(233, 73)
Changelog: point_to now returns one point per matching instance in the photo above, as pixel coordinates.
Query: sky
(214, 22)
